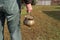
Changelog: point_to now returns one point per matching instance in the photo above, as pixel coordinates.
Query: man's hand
(29, 8)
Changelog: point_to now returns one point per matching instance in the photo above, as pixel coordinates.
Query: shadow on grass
(54, 14)
(57, 8)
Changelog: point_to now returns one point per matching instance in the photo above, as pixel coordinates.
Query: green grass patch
(42, 8)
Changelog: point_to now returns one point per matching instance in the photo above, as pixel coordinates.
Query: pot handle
(28, 14)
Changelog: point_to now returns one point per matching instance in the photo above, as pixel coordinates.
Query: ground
(46, 27)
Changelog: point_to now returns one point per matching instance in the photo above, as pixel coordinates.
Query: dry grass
(47, 24)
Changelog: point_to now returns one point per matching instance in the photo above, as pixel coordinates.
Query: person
(9, 10)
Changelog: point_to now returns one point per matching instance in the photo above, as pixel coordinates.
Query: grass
(47, 23)
(54, 14)
(47, 26)
(47, 8)
(42, 8)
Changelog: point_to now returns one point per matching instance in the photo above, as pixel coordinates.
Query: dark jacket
(27, 1)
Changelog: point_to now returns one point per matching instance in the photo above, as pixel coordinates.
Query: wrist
(28, 5)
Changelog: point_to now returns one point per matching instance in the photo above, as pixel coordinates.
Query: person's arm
(28, 5)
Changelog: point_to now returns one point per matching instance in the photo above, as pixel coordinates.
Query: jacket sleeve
(27, 1)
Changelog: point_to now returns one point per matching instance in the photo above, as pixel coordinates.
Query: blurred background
(47, 21)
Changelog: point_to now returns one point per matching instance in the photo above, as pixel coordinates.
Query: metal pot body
(29, 22)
